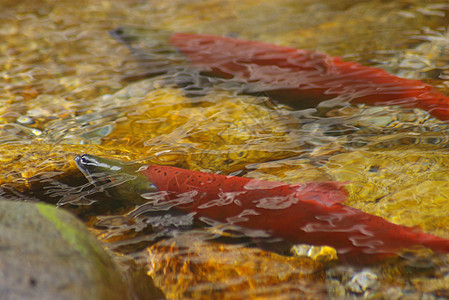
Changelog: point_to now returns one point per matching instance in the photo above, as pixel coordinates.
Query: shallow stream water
(68, 87)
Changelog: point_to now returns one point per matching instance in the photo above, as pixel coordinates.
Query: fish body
(310, 213)
(303, 78)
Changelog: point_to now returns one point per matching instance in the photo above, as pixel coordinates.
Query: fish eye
(150, 188)
(119, 31)
(85, 159)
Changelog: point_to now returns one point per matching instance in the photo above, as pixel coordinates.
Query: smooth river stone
(46, 253)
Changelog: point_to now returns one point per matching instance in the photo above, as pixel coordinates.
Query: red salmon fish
(299, 77)
(310, 213)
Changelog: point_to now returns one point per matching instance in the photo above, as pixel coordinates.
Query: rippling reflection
(310, 212)
(69, 87)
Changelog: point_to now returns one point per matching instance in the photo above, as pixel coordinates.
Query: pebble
(362, 281)
(25, 120)
(320, 253)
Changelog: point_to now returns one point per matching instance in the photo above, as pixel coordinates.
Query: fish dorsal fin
(327, 193)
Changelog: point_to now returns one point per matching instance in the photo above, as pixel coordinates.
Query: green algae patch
(104, 271)
(71, 233)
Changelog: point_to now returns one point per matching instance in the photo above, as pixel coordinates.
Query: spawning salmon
(300, 77)
(310, 213)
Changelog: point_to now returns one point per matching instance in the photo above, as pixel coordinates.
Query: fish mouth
(90, 165)
(83, 163)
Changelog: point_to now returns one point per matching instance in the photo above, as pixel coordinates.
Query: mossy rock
(46, 253)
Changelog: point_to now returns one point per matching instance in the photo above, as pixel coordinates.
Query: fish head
(124, 34)
(153, 39)
(118, 179)
(151, 49)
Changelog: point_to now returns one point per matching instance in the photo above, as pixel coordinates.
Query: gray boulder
(46, 253)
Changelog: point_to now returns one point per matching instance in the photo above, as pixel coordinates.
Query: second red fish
(310, 213)
(303, 78)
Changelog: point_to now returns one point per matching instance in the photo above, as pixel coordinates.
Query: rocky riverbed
(68, 88)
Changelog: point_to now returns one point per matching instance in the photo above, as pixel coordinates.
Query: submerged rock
(362, 281)
(288, 171)
(417, 274)
(405, 185)
(318, 253)
(219, 132)
(426, 61)
(189, 266)
(46, 253)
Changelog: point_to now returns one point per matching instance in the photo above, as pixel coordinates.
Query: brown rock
(188, 266)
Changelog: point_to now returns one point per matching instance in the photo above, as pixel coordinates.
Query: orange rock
(190, 266)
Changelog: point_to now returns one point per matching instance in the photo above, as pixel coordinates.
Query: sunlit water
(68, 87)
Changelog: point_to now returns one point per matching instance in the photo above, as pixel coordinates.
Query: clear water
(68, 87)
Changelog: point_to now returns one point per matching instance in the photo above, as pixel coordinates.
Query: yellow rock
(153, 125)
(238, 131)
(221, 134)
(288, 170)
(405, 185)
(189, 266)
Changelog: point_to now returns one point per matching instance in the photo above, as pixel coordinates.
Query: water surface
(68, 87)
